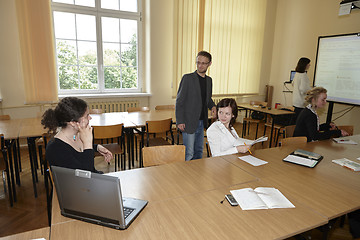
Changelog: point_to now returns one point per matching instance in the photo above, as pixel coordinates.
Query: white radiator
(115, 106)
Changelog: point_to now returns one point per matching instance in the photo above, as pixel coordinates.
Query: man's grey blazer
(188, 101)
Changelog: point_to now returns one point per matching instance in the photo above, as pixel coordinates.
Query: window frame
(98, 13)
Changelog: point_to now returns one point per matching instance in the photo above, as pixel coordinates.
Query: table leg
(8, 146)
(31, 147)
(10, 185)
(16, 163)
(272, 130)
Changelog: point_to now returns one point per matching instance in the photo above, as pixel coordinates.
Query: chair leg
(257, 127)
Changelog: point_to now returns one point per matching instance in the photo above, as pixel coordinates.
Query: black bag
(257, 115)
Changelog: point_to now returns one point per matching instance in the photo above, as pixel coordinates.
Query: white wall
(298, 26)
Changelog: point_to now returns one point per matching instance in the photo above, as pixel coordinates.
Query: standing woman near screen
(301, 85)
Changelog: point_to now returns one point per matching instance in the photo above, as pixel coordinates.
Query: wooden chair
(293, 141)
(348, 128)
(4, 117)
(96, 111)
(249, 120)
(157, 127)
(138, 109)
(289, 131)
(115, 142)
(158, 155)
(164, 107)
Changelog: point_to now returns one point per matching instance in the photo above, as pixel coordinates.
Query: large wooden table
(184, 198)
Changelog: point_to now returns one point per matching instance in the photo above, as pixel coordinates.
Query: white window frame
(99, 13)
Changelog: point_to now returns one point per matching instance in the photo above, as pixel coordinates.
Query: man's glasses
(202, 63)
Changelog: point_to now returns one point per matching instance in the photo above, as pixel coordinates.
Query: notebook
(94, 198)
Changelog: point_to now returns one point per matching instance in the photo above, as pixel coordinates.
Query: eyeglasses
(202, 63)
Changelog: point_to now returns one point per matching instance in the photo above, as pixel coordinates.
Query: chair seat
(251, 120)
(113, 148)
(158, 142)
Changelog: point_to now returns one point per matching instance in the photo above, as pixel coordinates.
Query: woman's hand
(85, 135)
(332, 126)
(105, 152)
(344, 133)
(243, 148)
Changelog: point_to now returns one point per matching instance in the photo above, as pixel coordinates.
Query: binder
(303, 158)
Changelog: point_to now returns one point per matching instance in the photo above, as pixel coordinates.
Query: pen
(343, 140)
(248, 149)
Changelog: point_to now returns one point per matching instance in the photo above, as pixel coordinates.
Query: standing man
(192, 103)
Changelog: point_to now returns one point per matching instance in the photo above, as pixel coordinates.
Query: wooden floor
(30, 213)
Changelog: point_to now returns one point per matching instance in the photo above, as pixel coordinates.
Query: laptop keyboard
(127, 211)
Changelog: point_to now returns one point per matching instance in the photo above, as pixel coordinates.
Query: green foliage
(120, 70)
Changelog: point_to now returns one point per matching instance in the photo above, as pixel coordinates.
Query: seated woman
(72, 145)
(307, 124)
(221, 135)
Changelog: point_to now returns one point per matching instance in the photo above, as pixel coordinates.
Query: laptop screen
(292, 75)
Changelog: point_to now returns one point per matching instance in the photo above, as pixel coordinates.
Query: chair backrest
(163, 154)
(106, 132)
(4, 117)
(138, 109)
(293, 141)
(159, 126)
(349, 129)
(289, 130)
(164, 107)
(96, 111)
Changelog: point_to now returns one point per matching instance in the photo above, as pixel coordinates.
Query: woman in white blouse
(221, 135)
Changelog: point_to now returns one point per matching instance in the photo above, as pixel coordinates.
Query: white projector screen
(337, 67)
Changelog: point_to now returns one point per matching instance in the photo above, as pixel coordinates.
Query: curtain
(37, 51)
(233, 32)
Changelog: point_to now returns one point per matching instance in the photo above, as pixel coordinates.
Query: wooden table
(184, 203)
(184, 197)
(34, 234)
(132, 121)
(273, 112)
(328, 188)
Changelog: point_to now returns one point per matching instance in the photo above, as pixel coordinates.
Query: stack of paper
(243, 141)
(344, 141)
(348, 164)
(261, 198)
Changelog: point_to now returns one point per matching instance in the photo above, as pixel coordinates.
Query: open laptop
(94, 198)
(292, 75)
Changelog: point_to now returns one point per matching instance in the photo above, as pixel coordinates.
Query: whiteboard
(338, 67)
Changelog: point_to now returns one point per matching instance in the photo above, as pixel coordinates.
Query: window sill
(108, 95)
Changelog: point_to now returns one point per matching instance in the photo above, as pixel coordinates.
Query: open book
(243, 141)
(261, 198)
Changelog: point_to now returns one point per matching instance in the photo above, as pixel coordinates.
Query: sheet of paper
(344, 141)
(300, 160)
(253, 160)
(345, 9)
(273, 198)
(243, 141)
(248, 199)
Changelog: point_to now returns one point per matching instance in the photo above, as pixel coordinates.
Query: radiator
(115, 106)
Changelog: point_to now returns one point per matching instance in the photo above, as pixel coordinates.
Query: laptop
(292, 75)
(94, 198)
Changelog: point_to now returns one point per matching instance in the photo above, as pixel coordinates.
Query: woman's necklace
(75, 144)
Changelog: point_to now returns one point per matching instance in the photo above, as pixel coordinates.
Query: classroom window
(97, 45)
